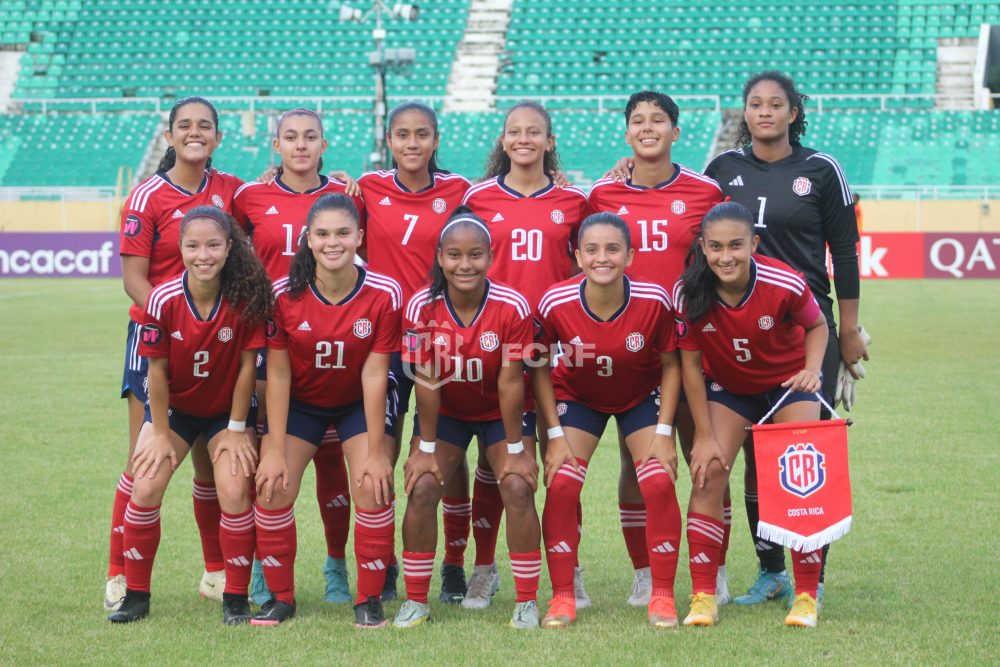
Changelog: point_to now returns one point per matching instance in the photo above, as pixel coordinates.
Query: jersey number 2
(200, 359)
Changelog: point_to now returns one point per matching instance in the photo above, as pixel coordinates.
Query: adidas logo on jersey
(339, 501)
(623, 211)
(177, 214)
(665, 548)
(239, 561)
(497, 218)
(701, 558)
(738, 181)
(133, 554)
(708, 327)
(482, 523)
(177, 335)
(271, 561)
(375, 565)
(561, 548)
(272, 211)
(385, 202)
(440, 340)
(813, 558)
(576, 341)
(304, 327)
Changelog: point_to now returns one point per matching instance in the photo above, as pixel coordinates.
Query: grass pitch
(915, 582)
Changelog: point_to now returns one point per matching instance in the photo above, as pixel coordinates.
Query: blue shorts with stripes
(134, 377)
(189, 427)
(460, 432)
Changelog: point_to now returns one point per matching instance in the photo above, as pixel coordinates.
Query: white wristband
(239, 427)
(515, 447)
(556, 432)
(664, 429)
(428, 447)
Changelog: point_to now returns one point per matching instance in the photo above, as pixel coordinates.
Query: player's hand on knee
(522, 465)
(241, 452)
(417, 465)
(379, 469)
(558, 453)
(151, 453)
(663, 449)
(705, 450)
(272, 469)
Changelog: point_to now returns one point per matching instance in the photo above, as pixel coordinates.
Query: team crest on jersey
(151, 334)
(802, 186)
(634, 341)
(678, 207)
(716, 386)
(489, 341)
(558, 217)
(561, 409)
(766, 322)
(439, 205)
(225, 334)
(362, 328)
(411, 340)
(801, 470)
(217, 200)
(132, 227)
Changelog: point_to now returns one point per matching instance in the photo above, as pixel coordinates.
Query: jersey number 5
(743, 354)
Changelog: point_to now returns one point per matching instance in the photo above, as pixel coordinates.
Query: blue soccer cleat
(338, 590)
(259, 592)
(768, 586)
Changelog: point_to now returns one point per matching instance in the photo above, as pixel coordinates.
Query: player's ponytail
(499, 162)
(796, 100)
(432, 119)
(463, 217)
(303, 269)
(169, 158)
(700, 282)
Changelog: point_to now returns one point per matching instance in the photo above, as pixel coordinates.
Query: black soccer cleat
(389, 587)
(235, 609)
(369, 614)
(274, 612)
(453, 584)
(134, 607)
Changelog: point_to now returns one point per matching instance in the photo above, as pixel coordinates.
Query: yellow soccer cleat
(804, 613)
(662, 614)
(562, 612)
(704, 611)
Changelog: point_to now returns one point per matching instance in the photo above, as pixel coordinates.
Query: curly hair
(796, 100)
(499, 162)
(245, 284)
(303, 268)
(169, 158)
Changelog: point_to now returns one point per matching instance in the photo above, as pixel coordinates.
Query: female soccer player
(149, 240)
(617, 334)
(328, 347)
(200, 332)
(276, 213)
(467, 336)
(750, 332)
(533, 225)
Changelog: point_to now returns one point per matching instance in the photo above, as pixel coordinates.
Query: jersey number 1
(289, 250)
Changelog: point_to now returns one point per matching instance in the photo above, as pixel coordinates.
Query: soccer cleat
(369, 614)
(453, 585)
(819, 598)
(722, 587)
(704, 610)
(338, 590)
(235, 609)
(662, 614)
(804, 613)
(562, 612)
(768, 586)
(114, 592)
(582, 599)
(274, 612)
(212, 584)
(389, 587)
(135, 606)
(259, 592)
(526, 615)
(642, 588)
(483, 585)
(411, 614)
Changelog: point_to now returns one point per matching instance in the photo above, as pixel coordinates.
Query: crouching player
(200, 332)
(749, 331)
(618, 337)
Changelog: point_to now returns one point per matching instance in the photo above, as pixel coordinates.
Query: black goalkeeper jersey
(801, 204)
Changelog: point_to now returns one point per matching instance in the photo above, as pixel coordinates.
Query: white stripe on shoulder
(700, 177)
(138, 191)
(386, 283)
(142, 194)
(509, 291)
(452, 177)
(478, 188)
(566, 297)
(520, 306)
(781, 274)
(245, 186)
(149, 191)
(417, 302)
(279, 285)
(648, 291)
(557, 293)
(845, 189)
(162, 293)
(575, 190)
(780, 283)
(600, 183)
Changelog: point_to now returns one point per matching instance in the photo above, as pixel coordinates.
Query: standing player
(617, 334)
(533, 225)
(276, 213)
(328, 348)
(467, 337)
(663, 204)
(743, 348)
(149, 241)
(201, 332)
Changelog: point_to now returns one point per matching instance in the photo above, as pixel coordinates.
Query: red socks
(333, 491)
(238, 539)
(374, 533)
(663, 527)
(457, 513)
(141, 540)
(806, 566)
(633, 519)
(207, 515)
(560, 528)
(527, 568)
(487, 508)
(727, 524)
(116, 559)
(417, 571)
(277, 543)
(704, 535)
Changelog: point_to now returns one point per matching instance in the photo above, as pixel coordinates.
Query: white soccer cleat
(212, 585)
(642, 588)
(582, 599)
(722, 587)
(483, 585)
(114, 592)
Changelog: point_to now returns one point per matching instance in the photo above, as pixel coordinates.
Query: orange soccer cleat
(562, 612)
(662, 614)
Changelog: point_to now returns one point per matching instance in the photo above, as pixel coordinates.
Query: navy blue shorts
(310, 422)
(404, 381)
(134, 377)
(753, 407)
(577, 415)
(262, 364)
(459, 432)
(190, 427)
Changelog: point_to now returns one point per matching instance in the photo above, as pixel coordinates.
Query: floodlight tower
(381, 61)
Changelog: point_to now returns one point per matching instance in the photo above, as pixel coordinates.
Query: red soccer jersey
(204, 355)
(151, 221)
(328, 343)
(277, 216)
(753, 347)
(404, 227)
(664, 220)
(469, 357)
(608, 365)
(533, 237)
